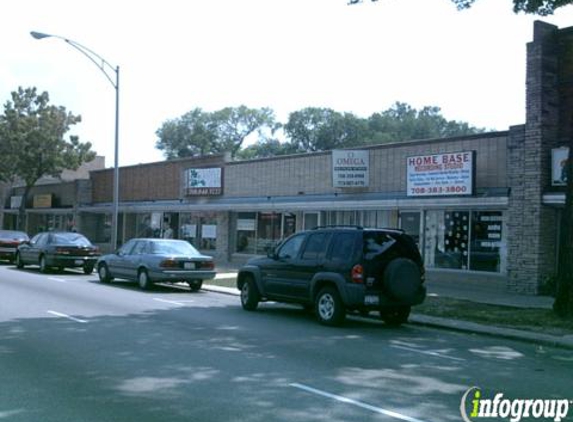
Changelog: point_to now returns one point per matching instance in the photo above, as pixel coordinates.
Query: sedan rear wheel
(43, 265)
(103, 273)
(88, 268)
(19, 262)
(143, 280)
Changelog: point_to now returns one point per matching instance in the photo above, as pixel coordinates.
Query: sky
(178, 55)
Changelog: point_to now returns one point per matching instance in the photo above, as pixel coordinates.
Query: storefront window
(246, 232)
(464, 240)
(410, 223)
(148, 225)
(268, 230)
(289, 224)
(311, 220)
(199, 229)
(257, 233)
(486, 241)
(373, 219)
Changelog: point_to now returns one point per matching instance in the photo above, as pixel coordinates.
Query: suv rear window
(344, 249)
(376, 243)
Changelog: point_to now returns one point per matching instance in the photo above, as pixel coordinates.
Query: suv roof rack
(337, 226)
(390, 229)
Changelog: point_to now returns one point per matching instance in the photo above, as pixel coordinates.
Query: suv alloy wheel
(329, 307)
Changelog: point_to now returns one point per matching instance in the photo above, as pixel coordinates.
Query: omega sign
(350, 169)
(441, 174)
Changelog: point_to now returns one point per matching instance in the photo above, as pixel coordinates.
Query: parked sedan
(58, 249)
(9, 242)
(157, 260)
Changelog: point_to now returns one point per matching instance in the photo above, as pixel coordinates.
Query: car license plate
(79, 262)
(189, 265)
(371, 300)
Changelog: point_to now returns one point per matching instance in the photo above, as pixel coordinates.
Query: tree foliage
(320, 129)
(199, 132)
(402, 122)
(32, 143)
(536, 7)
(307, 130)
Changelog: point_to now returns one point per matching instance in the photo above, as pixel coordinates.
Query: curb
(565, 342)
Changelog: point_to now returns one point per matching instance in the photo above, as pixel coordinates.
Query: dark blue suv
(334, 269)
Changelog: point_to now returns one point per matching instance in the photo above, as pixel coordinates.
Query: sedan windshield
(72, 239)
(173, 247)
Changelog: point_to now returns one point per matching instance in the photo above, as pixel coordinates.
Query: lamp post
(105, 67)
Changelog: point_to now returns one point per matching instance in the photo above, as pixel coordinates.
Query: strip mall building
(486, 205)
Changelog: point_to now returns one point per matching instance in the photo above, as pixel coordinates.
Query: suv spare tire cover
(402, 279)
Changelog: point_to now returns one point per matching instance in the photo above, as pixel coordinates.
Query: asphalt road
(72, 349)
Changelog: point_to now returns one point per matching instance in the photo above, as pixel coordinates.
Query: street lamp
(105, 67)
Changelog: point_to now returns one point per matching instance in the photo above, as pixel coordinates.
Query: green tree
(401, 122)
(32, 143)
(200, 133)
(319, 129)
(266, 148)
(535, 7)
(187, 136)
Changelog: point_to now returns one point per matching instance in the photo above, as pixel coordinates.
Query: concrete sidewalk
(459, 286)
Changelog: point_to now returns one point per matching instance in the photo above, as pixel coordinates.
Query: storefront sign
(350, 169)
(209, 231)
(559, 166)
(42, 201)
(15, 202)
(245, 224)
(441, 174)
(203, 181)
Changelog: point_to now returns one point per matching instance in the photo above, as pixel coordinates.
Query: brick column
(531, 228)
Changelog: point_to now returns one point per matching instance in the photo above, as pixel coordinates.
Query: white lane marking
(59, 280)
(357, 403)
(170, 301)
(427, 352)
(59, 314)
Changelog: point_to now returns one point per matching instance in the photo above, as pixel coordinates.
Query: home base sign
(446, 174)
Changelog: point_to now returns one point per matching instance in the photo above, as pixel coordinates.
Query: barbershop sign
(203, 181)
(446, 174)
(350, 169)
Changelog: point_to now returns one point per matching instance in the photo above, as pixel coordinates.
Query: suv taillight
(357, 274)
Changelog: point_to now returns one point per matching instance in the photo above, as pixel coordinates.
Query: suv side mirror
(271, 254)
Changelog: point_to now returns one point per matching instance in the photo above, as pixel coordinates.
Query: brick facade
(148, 182)
(312, 173)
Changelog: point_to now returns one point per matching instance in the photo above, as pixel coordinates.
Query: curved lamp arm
(95, 58)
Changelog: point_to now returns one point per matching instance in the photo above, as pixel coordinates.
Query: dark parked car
(9, 242)
(335, 269)
(58, 250)
(157, 260)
